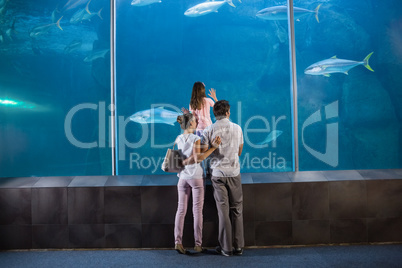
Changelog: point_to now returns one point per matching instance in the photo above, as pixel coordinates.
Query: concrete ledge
(313, 207)
(171, 179)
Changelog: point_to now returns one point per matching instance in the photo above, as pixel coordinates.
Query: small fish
(77, 16)
(273, 135)
(206, 8)
(84, 14)
(3, 8)
(155, 115)
(73, 46)
(73, 4)
(96, 55)
(281, 13)
(139, 3)
(10, 32)
(89, 16)
(43, 29)
(335, 65)
(55, 14)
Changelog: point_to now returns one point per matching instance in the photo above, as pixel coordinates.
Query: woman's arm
(201, 156)
(199, 152)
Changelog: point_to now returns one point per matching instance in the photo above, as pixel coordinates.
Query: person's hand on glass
(184, 111)
(212, 94)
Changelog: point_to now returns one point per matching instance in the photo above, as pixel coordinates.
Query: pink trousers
(184, 189)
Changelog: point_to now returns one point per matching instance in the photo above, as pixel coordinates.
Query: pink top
(204, 116)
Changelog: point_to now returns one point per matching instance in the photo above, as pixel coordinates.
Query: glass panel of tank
(163, 47)
(54, 87)
(349, 61)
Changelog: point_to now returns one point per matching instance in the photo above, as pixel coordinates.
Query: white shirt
(225, 159)
(185, 143)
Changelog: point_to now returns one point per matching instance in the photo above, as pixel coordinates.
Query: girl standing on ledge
(190, 180)
(200, 106)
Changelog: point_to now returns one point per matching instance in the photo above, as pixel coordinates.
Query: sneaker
(179, 248)
(219, 250)
(199, 249)
(238, 251)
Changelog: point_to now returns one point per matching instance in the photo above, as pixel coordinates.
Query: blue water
(344, 121)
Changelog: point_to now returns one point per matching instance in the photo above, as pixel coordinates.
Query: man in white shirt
(226, 179)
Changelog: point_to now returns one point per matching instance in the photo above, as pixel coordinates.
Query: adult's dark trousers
(228, 196)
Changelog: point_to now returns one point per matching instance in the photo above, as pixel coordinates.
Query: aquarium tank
(92, 87)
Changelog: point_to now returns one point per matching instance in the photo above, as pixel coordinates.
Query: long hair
(184, 120)
(197, 96)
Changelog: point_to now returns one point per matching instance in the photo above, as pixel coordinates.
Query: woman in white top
(190, 180)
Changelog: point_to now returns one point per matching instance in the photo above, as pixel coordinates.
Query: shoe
(199, 249)
(238, 251)
(179, 248)
(219, 250)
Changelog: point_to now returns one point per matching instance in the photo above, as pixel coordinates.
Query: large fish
(155, 115)
(43, 29)
(271, 137)
(335, 65)
(206, 8)
(281, 13)
(139, 3)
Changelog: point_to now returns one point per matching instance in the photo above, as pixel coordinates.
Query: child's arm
(212, 94)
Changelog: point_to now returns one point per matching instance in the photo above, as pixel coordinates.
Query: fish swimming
(43, 29)
(155, 115)
(73, 4)
(335, 65)
(79, 14)
(206, 8)
(96, 55)
(281, 13)
(273, 135)
(139, 3)
(73, 46)
(55, 14)
(84, 14)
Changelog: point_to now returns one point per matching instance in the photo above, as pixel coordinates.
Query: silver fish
(206, 8)
(139, 3)
(273, 135)
(73, 46)
(96, 55)
(335, 65)
(79, 14)
(84, 14)
(155, 115)
(281, 13)
(73, 4)
(43, 29)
